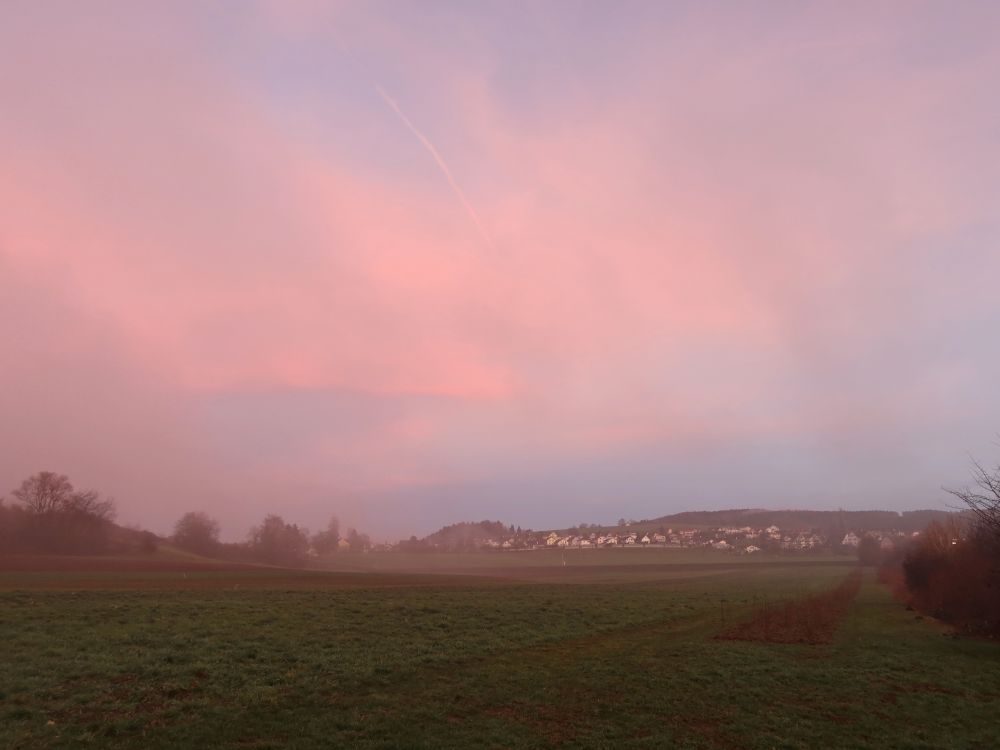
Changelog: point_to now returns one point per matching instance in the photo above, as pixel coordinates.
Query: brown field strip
(64, 572)
(86, 563)
(811, 620)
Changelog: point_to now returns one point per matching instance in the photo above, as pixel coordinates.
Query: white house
(851, 539)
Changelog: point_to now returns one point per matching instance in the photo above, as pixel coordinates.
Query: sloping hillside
(870, 520)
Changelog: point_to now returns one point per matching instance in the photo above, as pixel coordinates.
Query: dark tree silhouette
(59, 518)
(869, 551)
(359, 542)
(279, 543)
(45, 492)
(196, 532)
(325, 542)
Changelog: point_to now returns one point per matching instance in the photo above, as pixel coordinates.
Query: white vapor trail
(442, 164)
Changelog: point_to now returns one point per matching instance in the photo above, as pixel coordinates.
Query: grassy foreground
(310, 661)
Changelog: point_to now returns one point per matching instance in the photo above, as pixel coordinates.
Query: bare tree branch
(983, 500)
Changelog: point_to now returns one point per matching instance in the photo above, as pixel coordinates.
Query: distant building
(851, 539)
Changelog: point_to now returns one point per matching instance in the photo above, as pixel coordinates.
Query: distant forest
(469, 535)
(871, 520)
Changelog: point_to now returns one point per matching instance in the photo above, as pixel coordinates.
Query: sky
(547, 263)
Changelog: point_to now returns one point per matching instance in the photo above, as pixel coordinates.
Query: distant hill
(869, 520)
(461, 536)
(470, 535)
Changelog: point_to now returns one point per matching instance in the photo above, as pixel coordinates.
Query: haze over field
(415, 263)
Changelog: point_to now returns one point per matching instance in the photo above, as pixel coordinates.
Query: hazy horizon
(419, 263)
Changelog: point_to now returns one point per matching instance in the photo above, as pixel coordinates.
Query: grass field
(264, 658)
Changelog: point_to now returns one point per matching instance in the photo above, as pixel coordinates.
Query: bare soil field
(120, 564)
(810, 620)
(65, 572)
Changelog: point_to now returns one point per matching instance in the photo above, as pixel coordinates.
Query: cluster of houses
(745, 539)
(888, 540)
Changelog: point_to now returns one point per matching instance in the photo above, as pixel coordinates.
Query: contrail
(442, 164)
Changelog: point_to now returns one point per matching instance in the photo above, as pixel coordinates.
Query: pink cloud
(687, 247)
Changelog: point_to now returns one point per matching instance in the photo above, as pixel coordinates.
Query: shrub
(954, 574)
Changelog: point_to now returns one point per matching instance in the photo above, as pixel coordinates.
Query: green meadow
(625, 655)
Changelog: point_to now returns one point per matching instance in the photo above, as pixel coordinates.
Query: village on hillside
(746, 540)
(494, 536)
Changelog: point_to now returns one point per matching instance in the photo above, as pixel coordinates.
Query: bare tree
(983, 499)
(89, 503)
(45, 492)
(58, 518)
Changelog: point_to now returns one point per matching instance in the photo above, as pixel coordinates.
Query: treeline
(50, 516)
(952, 571)
(274, 541)
(828, 521)
(458, 537)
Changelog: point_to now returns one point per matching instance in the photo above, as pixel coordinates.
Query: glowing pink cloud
(714, 236)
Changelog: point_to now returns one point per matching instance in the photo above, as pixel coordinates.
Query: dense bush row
(952, 571)
(273, 541)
